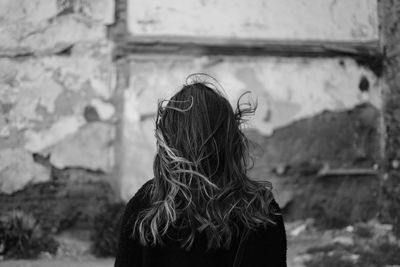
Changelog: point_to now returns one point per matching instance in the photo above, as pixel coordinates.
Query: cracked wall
(59, 102)
(352, 135)
(290, 92)
(57, 82)
(319, 120)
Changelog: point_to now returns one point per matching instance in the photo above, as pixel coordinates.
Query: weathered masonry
(317, 81)
(58, 113)
(80, 82)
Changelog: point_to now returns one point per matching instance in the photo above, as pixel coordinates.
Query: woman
(201, 209)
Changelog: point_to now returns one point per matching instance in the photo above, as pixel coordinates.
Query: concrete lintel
(246, 46)
(366, 53)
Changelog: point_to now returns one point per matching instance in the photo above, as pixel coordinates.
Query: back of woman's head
(200, 170)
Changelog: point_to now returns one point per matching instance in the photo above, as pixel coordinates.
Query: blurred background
(79, 85)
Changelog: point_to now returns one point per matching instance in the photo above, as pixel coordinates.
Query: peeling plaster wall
(287, 90)
(297, 160)
(334, 20)
(314, 114)
(47, 27)
(58, 97)
(57, 83)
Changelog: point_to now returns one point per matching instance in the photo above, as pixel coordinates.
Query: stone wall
(57, 82)
(389, 12)
(75, 87)
(287, 90)
(318, 127)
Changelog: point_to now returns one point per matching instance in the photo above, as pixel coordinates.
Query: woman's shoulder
(274, 207)
(142, 197)
(274, 230)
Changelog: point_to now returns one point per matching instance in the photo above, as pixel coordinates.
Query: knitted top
(264, 246)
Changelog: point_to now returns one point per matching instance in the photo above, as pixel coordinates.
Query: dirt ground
(294, 248)
(82, 259)
(301, 235)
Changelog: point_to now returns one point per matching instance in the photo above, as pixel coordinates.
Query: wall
(64, 113)
(390, 42)
(258, 19)
(318, 130)
(318, 127)
(57, 82)
(286, 89)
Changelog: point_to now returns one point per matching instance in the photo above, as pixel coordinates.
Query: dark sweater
(264, 247)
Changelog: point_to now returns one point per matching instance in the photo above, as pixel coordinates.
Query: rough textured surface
(105, 110)
(90, 148)
(100, 10)
(18, 169)
(48, 27)
(390, 24)
(287, 89)
(341, 139)
(56, 77)
(72, 198)
(32, 11)
(334, 20)
(48, 39)
(39, 141)
(57, 81)
(293, 157)
(44, 101)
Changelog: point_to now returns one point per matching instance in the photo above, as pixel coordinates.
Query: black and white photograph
(199, 133)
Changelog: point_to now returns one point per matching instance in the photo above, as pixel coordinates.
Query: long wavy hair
(201, 182)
